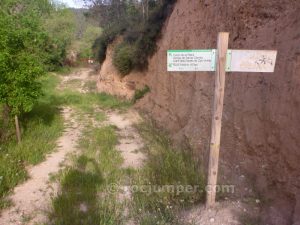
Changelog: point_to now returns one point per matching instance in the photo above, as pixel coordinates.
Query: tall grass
(165, 166)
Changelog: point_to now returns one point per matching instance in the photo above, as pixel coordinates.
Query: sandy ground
(229, 212)
(77, 80)
(130, 142)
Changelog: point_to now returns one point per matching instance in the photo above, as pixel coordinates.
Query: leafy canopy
(138, 21)
(22, 41)
(60, 27)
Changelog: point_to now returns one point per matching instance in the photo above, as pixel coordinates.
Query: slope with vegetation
(140, 24)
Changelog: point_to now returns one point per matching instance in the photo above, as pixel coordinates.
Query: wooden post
(216, 119)
(18, 129)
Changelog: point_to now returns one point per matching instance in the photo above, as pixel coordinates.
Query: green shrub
(60, 28)
(122, 58)
(140, 93)
(139, 32)
(100, 45)
(83, 45)
(146, 43)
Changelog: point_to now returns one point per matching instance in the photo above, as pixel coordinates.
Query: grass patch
(65, 70)
(41, 128)
(140, 93)
(74, 83)
(165, 166)
(87, 102)
(90, 85)
(83, 198)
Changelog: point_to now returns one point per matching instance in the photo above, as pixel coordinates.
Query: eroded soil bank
(261, 127)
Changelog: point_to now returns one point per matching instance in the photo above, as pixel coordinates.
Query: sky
(72, 3)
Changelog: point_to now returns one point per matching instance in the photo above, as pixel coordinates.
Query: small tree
(60, 27)
(21, 45)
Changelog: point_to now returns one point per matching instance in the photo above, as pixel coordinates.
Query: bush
(84, 44)
(146, 43)
(140, 93)
(60, 28)
(100, 45)
(138, 32)
(122, 58)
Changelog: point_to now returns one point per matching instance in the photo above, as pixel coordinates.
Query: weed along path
(31, 199)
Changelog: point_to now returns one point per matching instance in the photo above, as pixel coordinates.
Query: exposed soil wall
(261, 120)
(112, 82)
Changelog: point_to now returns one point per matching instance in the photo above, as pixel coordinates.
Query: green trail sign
(191, 60)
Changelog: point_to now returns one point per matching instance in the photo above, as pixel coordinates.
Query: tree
(60, 27)
(84, 44)
(21, 43)
(108, 12)
(138, 21)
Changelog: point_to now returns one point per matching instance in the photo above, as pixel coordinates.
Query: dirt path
(130, 142)
(32, 199)
(79, 80)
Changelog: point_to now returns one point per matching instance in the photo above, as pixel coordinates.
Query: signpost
(221, 61)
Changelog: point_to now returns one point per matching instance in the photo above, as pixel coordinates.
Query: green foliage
(145, 41)
(84, 45)
(100, 45)
(86, 102)
(21, 49)
(166, 166)
(60, 27)
(140, 93)
(122, 58)
(140, 24)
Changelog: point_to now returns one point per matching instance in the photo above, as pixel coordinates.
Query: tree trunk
(143, 7)
(5, 116)
(6, 120)
(147, 10)
(18, 129)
